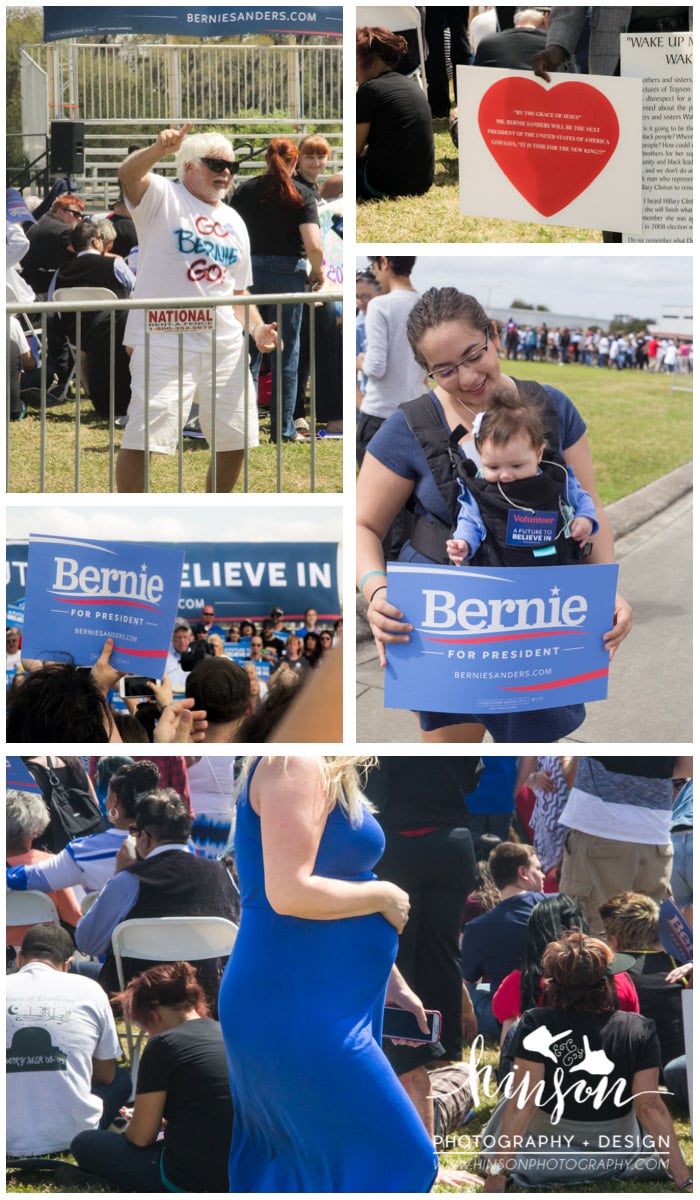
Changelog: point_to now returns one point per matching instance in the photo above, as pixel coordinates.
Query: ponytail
(279, 184)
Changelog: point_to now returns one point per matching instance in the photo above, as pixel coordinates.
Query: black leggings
(437, 871)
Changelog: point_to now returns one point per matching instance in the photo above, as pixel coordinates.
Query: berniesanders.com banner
(241, 579)
(190, 19)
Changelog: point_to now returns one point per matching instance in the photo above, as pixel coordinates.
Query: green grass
(637, 430)
(43, 1182)
(435, 217)
(23, 472)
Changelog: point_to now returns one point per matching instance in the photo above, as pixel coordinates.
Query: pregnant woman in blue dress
(317, 1106)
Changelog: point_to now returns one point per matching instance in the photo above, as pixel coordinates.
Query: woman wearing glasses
(454, 341)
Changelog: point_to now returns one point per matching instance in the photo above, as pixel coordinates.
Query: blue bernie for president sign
(499, 640)
(80, 592)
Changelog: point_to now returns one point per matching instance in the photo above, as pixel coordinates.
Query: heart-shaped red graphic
(551, 143)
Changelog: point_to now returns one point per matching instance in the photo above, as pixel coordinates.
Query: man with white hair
(515, 48)
(191, 245)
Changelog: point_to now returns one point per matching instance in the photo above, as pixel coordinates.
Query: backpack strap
(429, 534)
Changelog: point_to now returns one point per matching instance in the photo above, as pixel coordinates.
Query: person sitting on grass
(585, 1080)
(395, 150)
(182, 1088)
(62, 1074)
(631, 922)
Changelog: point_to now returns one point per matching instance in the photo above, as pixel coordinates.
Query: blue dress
(317, 1107)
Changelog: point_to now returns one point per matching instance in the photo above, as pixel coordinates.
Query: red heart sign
(551, 143)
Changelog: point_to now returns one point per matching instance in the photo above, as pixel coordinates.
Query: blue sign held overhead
(499, 640)
(81, 592)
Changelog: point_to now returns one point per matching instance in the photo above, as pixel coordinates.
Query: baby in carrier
(524, 507)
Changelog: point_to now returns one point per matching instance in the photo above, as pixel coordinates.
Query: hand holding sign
(387, 623)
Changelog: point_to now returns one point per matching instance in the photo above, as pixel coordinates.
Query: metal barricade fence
(183, 310)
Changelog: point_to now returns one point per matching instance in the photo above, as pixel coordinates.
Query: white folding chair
(30, 908)
(167, 939)
(67, 295)
(399, 18)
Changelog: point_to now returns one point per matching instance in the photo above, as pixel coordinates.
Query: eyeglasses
(444, 374)
(207, 614)
(74, 212)
(217, 165)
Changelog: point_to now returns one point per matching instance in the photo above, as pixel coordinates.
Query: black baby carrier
(513, 512)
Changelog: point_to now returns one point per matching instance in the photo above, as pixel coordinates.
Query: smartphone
(401, 1024)
(131, 686)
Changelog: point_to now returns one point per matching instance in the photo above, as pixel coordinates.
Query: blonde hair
(342, 778)
(633, 918)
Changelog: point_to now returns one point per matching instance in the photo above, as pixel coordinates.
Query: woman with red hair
(395, 153)
(281, 215)
(583, 1098)
(182, 1085)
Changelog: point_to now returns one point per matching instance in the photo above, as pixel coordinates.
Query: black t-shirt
(400, 149)
(189, 1063)
(659, 1000)
(273, 228)
(415, 793)
(643, 767)
(587, 1056)
(513, 49)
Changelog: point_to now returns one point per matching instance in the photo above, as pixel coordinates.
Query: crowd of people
(395, 138)
(240, 681)
(595, 348)
(412, 882)
(197, 236)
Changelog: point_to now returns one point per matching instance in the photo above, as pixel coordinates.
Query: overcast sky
(180, 523)
(576, 285)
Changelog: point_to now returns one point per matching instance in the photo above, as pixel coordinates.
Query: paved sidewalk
(650, 692)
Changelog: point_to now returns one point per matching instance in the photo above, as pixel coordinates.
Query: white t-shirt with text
(56, 1024)
(188, 248)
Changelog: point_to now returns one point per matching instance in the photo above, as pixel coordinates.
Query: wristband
(368, 575)
(381, 588)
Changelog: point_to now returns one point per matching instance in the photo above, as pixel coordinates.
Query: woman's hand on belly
(394, 905)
